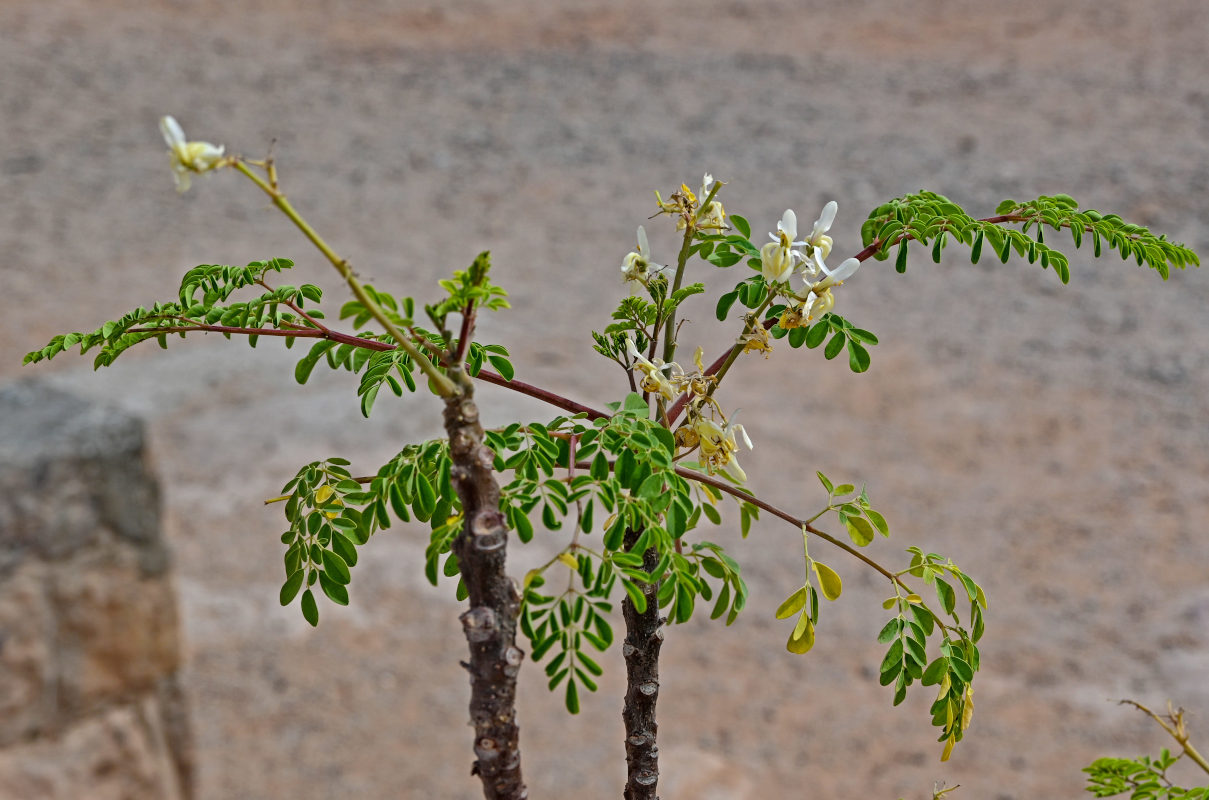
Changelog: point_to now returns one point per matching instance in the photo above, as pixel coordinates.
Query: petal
(733, 469)
(172, 132)
(789, 224)
(746, 439)
(845, 270)
(643, 246)
(840, 274)
(823, 223)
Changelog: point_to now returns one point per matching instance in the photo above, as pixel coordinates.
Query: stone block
(70, 473)
(121, 754)
(117, 631)
(27, 678)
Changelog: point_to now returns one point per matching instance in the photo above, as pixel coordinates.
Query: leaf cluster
(953, 670)
(330, 513)
(469, 289)
(568, 621)
(202, 292)
(1142, 778)
(930, 220)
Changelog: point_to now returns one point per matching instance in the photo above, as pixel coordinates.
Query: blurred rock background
(1051, 439)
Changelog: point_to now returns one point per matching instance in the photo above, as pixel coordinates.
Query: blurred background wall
(1051, 439)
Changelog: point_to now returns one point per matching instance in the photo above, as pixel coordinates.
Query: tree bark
(490, 623)
(644, 636)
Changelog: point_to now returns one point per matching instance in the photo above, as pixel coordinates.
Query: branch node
(479, 623)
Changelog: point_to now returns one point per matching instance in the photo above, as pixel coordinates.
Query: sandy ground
(1051, 439)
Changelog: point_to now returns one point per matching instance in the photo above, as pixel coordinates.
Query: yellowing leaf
(802, 638)
(948, 749)
(322, 494)
(982, 598)
(859, 530)
(530, 575)
(829, 581)
(889, 602)
(569, 560)
(792, 605)
(914, 598)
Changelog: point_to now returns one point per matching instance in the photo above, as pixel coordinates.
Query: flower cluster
(786, 255)
(700, 210)
(717, 437)
(188, 156)
(706, 426)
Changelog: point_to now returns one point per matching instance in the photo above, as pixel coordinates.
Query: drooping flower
(188, 156)
(757, 340)
(653, 380)
(637, 266)
(713, 215)
(719, 445)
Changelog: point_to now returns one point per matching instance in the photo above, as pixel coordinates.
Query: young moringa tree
(643, 472)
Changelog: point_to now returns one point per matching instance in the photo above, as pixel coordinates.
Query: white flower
(778, 258)
(637, 266)
(787, 230)
(819, 299)
(817, 238)
(719, 445)
(188, 156)
(776, 263)
(841, 273)
(713, 216)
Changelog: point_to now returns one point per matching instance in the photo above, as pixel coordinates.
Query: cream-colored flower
(719, 444)
(637, 266)
(653, 380)
(713, 216)
(188, 156)
(836, 277)
(776, 263)
(817, 238)
(818, 299)
(779, 258)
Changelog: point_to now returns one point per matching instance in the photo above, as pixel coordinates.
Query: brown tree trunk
(644, 636)
(490, 623)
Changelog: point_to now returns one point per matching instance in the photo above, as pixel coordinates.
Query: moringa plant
(629, 484)
(1145, 778)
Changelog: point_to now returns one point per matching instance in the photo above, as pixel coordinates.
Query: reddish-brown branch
(486, 375)
(304, 333)
(297, 309)
(468, 319)
(553, 399)
(723, 486)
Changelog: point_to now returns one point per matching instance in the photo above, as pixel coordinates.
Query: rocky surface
(1051, 439)
(90, 702)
